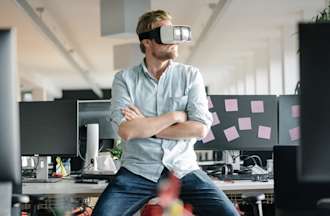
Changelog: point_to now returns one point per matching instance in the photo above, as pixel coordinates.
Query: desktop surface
(70, 188)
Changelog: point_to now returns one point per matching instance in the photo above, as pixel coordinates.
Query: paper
(231, 105)
(244, 123)
(231, 133)
(257, 106)
(210, 104)
(264, 132)
(294, 133)
(295, 111)
(216, 120)
(209, 137)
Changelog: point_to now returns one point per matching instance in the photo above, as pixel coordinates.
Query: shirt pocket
(178, 103)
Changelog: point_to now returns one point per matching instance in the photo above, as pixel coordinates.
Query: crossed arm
(172, 125)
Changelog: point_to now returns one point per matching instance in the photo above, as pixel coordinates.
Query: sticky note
(231, 105)
(209, 137)
(209, 101)
(244, 123)
(231, 133)
(257, 106)
(294, 133)
(295, 111)
(264, 132)
(216, 120)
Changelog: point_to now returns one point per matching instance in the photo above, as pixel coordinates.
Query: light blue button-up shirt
(180, 88)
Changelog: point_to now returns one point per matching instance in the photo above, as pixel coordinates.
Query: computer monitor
(10, 165)
(289, 119)
(314, 50)
(97, 111)
(49, 128)
(293, 197)
(241, 122)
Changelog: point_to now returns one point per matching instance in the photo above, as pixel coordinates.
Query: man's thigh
(205, 197)
(127, 194)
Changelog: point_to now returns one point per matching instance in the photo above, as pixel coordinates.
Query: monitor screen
(289, 119)
(314, 50)
(241, 122)
(97, 111)
(289, 192)
(48, 128)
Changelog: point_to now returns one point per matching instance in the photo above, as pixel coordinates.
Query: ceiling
(221, 36)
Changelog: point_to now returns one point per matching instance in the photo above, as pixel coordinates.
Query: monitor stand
(232, 157)
(41, 173)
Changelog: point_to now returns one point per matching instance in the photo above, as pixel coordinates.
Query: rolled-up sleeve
(120, 99)
(197, 101)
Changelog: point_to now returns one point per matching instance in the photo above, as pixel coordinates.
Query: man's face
(163, 51)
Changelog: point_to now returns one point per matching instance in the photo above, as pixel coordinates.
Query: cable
(252, 157)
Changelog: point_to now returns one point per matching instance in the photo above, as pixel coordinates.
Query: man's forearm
(185, 130)
(146, 127)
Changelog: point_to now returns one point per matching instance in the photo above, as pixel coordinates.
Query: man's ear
(146, 43)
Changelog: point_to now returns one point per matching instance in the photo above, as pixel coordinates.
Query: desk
(70, 188)
(64, 191)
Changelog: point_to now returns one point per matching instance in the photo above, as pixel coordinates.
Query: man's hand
(131, 112)
(180, 116)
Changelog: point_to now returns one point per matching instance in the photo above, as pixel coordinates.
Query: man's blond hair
(149, 18)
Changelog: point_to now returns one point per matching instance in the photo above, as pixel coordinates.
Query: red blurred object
(167, 200)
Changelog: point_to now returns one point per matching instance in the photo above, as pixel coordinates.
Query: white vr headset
(171, 34)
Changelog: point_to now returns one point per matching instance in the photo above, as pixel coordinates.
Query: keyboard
(34, 180)
(252, 177)
(98, 176)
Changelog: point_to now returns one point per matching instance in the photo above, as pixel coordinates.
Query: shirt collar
(145, 69)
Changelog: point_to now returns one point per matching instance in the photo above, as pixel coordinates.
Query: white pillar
(250, 79)
(290, 57)
(275, 66)
(262, 71)
(240, 78)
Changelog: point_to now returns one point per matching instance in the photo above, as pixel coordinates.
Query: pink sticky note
(209, 137)
(295, 111)
(209, 101)
(257, 106)
(231, 133)
(231, 105)
(216, 120)
(294, 133)
(244, 123)
(264, 132)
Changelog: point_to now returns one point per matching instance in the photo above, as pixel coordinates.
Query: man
(160, 108)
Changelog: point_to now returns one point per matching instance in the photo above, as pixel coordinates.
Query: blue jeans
(129, 192)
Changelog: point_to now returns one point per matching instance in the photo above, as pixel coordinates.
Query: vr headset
(175, 34)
